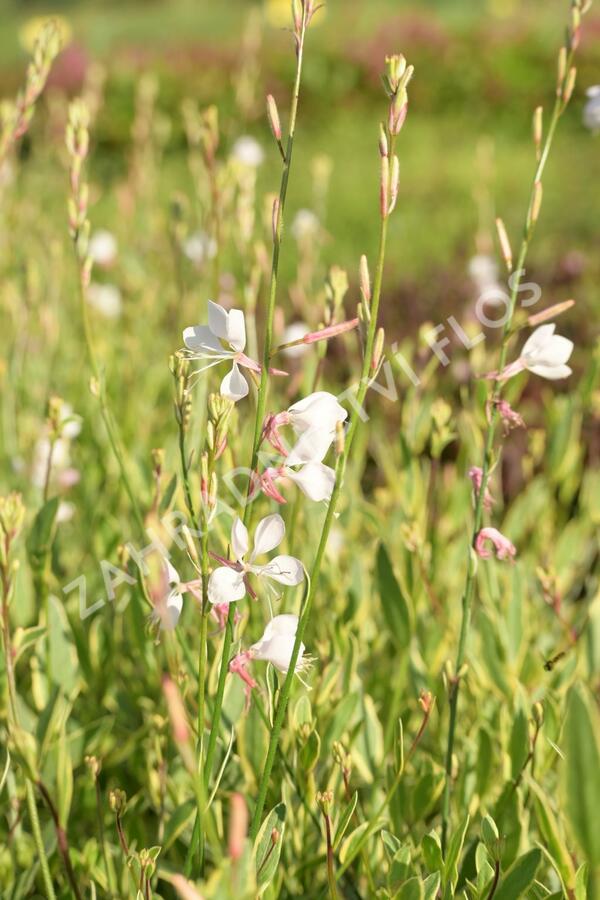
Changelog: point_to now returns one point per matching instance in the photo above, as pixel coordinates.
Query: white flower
(230, 582)
(546, 353)
(320, 410)
(199, 247)
(304, 465)
(277, 643)
(204, 342)
(168, 609)
(305, 224)
(295, 332)
(591, 110)
(248, 151)
(103, 247)
(106, 298)
(483, 269)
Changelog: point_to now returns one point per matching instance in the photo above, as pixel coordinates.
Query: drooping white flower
(103, 247)
(248, 151)
(277, 643)
(305, 224)
(199, 247)
(591, 110)
(106, 299)
(229, 582)
(483, 270)
(57, 451)
(204, 342)
(318, 413)
(544, 353)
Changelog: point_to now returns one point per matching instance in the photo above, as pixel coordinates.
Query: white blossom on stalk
(319, 412)
(248, 152)
(229, 582)
(168, 606)
(277, 643)
(103, 248)
(591, 110)
(544, 353)
(206, 343)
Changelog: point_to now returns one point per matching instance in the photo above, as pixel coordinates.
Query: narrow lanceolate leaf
(393, 602)
(344, 821)
(581, 772)
(267, 847)
(450, 874)
(64, 779)
(39, 539)
(552, 836)
(519, 877)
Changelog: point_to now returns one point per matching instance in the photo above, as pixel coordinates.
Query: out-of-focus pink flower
(476, 476)
(238, 666)
(503, 548)
(510, 418)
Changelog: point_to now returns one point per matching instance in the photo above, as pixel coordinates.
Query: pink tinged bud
(394, 181)
(397, 115)
(384, 149)
(510, 418)
(331, 331)
(476, 476)
(504, 243)
(503, 548)
(238, 826)
(238, 666)
(273, 117)
(365, 279)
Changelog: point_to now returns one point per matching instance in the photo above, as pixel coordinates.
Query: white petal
(286, 623)
(538, 339)
(239, 539)
(277, 651)
(234, 385)
(319, 409)
(315, 480)
(552, 373)
(174, 607)
(217, 320)
(172, 573)
(236, 329)
(226, 585)
(269, 534)
(199, 338)
(284, 569)
(558, 351)
(311, 446)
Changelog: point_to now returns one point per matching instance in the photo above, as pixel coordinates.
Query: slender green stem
(365, 381)
(330, 866)
(494, 397)
(39, 841)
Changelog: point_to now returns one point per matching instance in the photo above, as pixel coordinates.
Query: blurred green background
(481, 68)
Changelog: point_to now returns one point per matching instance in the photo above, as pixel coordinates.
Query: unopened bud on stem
(504, 243)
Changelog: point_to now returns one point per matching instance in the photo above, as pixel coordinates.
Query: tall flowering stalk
(303, 11)
(498, 408)
(396, 80)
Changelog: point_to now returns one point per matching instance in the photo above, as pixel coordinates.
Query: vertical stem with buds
(398, 76)
(564, 89)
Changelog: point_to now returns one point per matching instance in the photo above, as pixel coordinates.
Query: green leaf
(519, 876)
(581, 882)
(431, 886)
(266, 852)
(26, 637)
(411, 890)
(450, 874)
(63, 667)
(581, 772)
(432, 852)
(519, 743)
(395, 607)
(168, 496)
(553, 839)
(64, 779)
(344, 820)
(177, 822)
(40, 536)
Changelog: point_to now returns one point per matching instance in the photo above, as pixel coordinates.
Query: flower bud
(324, 801)
(538, 130)
(384, 187)
(394, 181)
(569, 85)
(273, 116)
(365, 279)
(383, 141)
(117, 800)
(504, 243)
(378, 350)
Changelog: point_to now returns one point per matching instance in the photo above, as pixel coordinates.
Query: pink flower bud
(331, 331)
(503, 548)
(476, 476)
(510, 418)
(238, 826)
